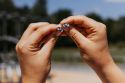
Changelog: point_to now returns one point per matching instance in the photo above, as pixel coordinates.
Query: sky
(105, 8)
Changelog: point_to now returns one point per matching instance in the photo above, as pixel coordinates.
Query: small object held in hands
(66, 25)
(63, 27)
(59, 28)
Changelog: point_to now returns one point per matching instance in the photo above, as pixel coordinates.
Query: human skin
(34, 59)
(93, 46)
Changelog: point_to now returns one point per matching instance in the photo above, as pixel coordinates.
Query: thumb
(80, 40)
(48, 46)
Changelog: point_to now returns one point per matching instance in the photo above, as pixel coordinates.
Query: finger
(80, 40)
(80, 20)
(40, 33)
(48, 46)
(31, 28)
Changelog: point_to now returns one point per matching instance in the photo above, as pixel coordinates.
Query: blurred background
(67, 67)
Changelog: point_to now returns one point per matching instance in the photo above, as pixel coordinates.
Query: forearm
(110, 73)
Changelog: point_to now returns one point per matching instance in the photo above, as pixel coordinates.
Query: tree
(109, 24)
(95, 16)
(7, 5)
(60, 15)
(1, 5)
(118, 31)
(39, 9)
(23, 10)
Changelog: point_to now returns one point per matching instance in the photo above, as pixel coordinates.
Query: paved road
(68, 73)
(61, 73)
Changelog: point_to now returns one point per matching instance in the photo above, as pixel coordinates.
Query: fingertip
(53, 26)
(63, 21)
(67, 20)
(73, 20)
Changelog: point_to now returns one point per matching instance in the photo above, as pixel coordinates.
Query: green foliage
(24, 10)
(65, 42)
(95, 16)
(109, 23)
(7, 5)
(60, 15)
(1, 5)
(118, 31)
(66, 54)
(39, 9)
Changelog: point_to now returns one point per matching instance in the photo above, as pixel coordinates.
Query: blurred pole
(17, 26)
(4, 27)
(4, 30)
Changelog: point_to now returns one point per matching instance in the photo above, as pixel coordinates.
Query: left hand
(35, 61)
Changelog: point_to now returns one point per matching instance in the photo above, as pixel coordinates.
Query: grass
(73, 55)
(117, 49)
(66, 54)
(118, 52)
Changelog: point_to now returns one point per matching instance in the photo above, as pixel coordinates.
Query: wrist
(109, 72)
(103, 60)
(33, 79)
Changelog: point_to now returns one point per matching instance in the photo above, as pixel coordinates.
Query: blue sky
(106, 8)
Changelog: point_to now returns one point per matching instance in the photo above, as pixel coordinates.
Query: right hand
(93, 43)
(94, 47)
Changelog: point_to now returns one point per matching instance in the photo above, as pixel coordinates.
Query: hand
(92, 42)
(34, 58)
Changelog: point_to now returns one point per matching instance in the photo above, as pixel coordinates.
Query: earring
(65, 25)
(59, 28)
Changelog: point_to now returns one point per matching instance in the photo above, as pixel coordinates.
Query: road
(78, 73)
(60, 73)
